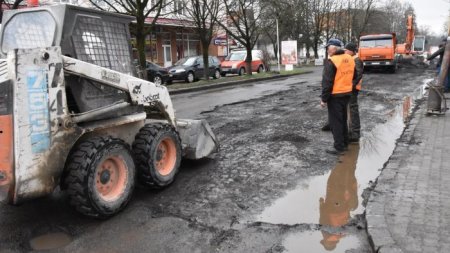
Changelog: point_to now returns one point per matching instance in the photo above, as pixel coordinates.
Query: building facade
(174, 36)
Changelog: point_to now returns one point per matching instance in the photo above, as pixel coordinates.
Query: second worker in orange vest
(354, 122)
(337, 86)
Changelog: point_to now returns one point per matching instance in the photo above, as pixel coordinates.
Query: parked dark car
(191, 68)
(156, 73)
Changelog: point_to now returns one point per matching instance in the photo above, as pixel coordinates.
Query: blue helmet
(334, 42)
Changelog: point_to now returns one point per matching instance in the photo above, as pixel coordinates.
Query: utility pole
(278, 48)
(436, 95)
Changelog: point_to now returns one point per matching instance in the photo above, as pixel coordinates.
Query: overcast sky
(432, 13)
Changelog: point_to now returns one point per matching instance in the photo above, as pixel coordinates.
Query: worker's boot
(354, 137)
(326, 127)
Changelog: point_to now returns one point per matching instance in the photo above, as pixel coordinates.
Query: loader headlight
(180, 70)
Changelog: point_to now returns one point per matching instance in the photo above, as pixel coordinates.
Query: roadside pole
(278, 48)
(436, 92)
(228, 44)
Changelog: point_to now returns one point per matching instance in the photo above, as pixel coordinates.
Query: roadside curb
(380, 237)
(232, 83)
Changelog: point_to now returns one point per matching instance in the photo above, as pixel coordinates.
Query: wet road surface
(271, 188)
(191, 105)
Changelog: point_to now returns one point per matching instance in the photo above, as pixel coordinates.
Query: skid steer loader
(73, 115)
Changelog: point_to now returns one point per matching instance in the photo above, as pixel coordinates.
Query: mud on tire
(100, 176)
(157, 149)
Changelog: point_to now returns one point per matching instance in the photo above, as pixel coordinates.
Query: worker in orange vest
(337, 86)
(354, 127)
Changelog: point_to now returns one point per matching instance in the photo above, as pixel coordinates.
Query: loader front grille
(3, 71)
(102, 42)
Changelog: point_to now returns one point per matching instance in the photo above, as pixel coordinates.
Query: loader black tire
(157, 150)
(100, 176)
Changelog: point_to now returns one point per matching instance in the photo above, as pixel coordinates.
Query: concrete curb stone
(231, 83)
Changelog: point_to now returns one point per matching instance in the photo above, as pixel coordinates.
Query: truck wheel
(157, 149)
(393, 69)
(101, 176)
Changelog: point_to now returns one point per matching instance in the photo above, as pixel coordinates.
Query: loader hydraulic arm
(141, 92)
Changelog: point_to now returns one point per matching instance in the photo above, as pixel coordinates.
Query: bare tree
(276, 11)
(359, 12)
(320, 11)
(269, 30)
(445, 28)
(333, 16)
(397, 13)
(204, 13)
(141, 10)
(242, 21)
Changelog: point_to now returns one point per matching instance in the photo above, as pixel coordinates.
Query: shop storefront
(173, 39)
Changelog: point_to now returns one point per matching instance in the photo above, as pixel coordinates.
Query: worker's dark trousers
(337, 117)
(354, 126)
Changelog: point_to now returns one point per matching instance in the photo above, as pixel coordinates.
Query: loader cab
(89, 35)
(96, 37)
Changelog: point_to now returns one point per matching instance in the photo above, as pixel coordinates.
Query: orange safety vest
(345, 69)
(358, 86)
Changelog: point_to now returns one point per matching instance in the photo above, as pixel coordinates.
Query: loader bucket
(198, 140)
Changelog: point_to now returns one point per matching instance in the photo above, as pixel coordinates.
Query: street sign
(220, 42)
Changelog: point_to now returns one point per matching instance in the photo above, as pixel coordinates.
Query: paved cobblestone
(409, 209)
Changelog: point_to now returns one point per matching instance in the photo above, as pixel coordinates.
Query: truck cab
(378, 50)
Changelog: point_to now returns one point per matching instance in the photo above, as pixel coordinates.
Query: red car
(235, 63)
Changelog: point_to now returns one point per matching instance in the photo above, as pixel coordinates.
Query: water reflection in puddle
(50, 241)
(338, 192)
(333, 198)
(319, 241)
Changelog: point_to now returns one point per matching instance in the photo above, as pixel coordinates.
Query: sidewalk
(409, 209)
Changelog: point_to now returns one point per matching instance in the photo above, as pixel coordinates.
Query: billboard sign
(289, 52)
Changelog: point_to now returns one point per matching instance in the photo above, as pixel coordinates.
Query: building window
(75, 2)
(164, 6)
(151, 51)
(179, 7)
(152, 5)
(187, 45)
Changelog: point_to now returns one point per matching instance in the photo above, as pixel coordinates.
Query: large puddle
(332, 199)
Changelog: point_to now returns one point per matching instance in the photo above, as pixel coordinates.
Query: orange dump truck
(378, 50)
